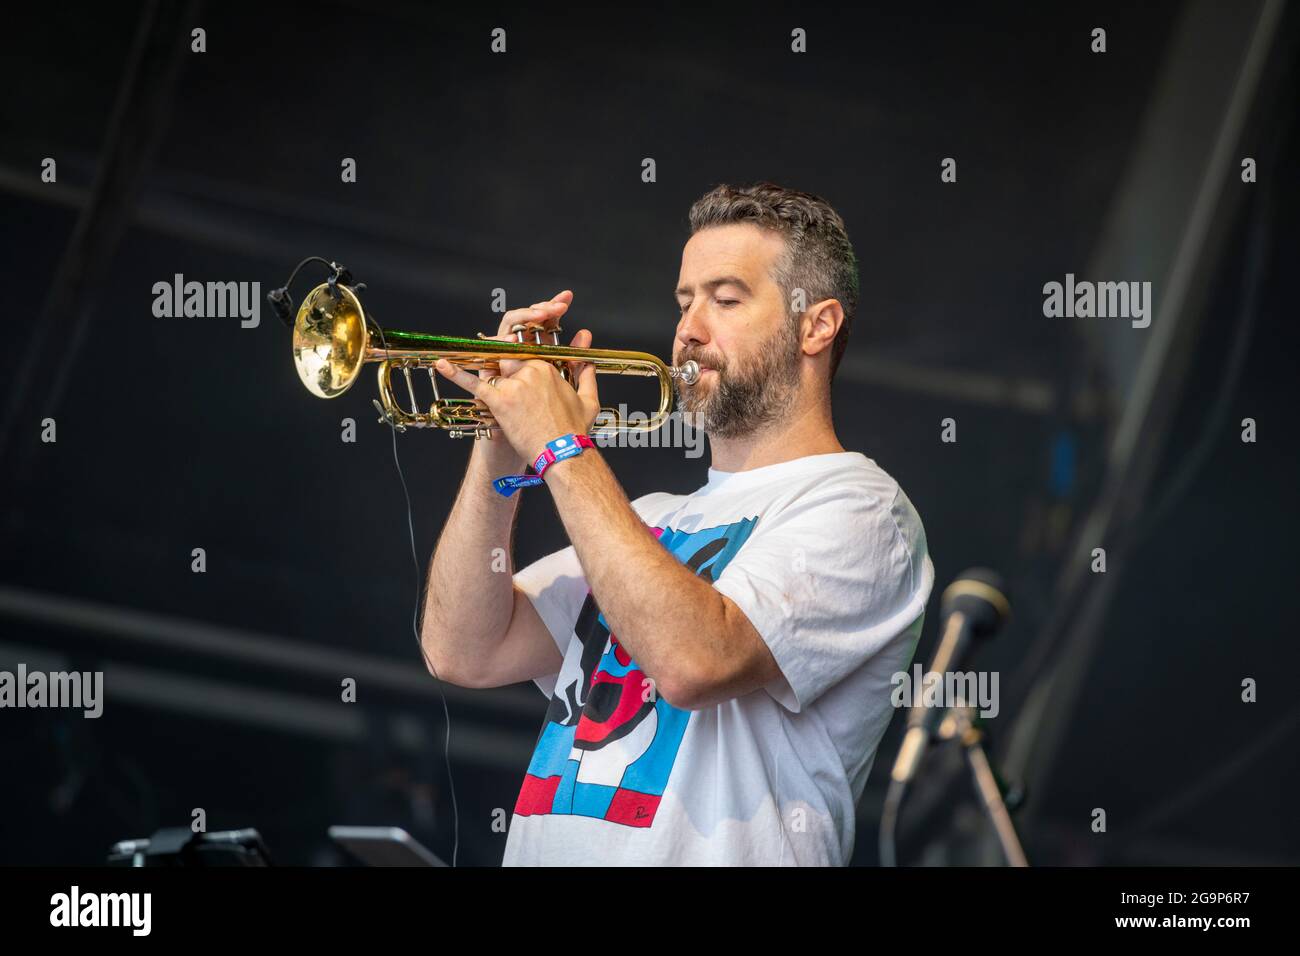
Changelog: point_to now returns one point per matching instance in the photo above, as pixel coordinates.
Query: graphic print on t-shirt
(605, 751)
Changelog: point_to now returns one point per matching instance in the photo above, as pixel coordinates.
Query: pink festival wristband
(566, 446)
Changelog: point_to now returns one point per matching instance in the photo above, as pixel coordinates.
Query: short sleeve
(556, 587)
(830, 582)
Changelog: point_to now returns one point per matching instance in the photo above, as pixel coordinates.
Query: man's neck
(799, 434)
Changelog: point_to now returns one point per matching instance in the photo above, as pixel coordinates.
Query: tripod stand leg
(987, 785)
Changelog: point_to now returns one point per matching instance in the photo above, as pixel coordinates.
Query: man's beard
(742, 400)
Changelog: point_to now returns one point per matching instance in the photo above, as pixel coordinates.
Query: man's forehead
(740, 249)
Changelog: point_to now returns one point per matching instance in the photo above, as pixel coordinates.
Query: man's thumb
(587, 381)
(581, 340)
(586, 370)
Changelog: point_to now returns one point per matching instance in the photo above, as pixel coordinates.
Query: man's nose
(691, 328)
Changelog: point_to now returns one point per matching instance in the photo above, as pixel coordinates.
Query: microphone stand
(973, 608)
(959, 724)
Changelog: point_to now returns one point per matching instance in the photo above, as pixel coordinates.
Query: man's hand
(531, 401)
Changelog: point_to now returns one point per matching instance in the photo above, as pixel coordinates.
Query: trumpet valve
(519, 328)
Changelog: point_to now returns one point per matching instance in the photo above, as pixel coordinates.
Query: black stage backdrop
(526, 170)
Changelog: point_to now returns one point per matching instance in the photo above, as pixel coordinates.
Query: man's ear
(821, 324)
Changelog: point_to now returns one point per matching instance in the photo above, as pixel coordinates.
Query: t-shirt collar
(750, 477)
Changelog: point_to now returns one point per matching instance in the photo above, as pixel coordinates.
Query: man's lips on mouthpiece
(703, 368)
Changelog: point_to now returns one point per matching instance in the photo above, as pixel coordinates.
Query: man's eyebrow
(712, 284)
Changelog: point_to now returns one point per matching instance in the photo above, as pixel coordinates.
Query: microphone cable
(889, 823)
(282, 304)
(415, 627)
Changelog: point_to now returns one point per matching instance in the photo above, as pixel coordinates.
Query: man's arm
(693, 642)
(477, 629)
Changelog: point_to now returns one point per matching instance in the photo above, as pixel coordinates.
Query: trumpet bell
(329, 340)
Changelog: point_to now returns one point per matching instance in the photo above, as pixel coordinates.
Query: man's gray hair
(819, 257)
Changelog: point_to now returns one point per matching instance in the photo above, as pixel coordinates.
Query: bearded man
(718, 664)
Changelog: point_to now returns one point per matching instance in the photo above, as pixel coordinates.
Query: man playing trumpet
(718, 664)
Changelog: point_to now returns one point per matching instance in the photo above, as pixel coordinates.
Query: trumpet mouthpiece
(688, 371)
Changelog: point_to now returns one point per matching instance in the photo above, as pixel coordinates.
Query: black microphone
(281, 304)
(973, 607)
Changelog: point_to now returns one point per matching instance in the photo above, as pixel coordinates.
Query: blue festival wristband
(566, 446)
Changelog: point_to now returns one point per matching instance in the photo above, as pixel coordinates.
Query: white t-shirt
(827, 558)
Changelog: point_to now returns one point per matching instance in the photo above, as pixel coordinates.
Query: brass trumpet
(333, 338)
